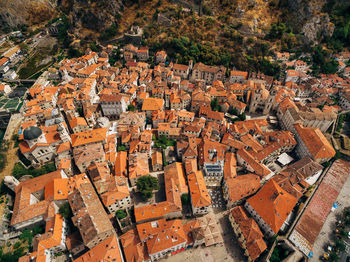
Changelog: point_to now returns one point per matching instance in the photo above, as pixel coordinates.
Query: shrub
(215, 104)
(277, 30)
(65, 211)
(3, 160)
(339, 245)
(121, 148)
(206, 10)
(27, 235)
(131, 108)
(17, 245)
(48, 168)
(120, 214)
(110, 32)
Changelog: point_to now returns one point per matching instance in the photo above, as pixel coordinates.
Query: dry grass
(229, 27)
(146, 11)
(5, 46)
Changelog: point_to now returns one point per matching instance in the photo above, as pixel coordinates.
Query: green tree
(215, 104)
(94, 47)
(185, 199)
(62, 27)
(347, 212)
(206, 10)
(27, 235)
(233, 111)
(114, 57)
(277, 30)
(268, 68)
(159, 3)
(80, 111)
(65, 211)
(12, 256)
(110, 32)
(163, 139)
(131, 108)
(120, 214)
(242, 117)
(38, 230)
(121, 148)
(333, 257)
(339, 245)
(146, 184)
(3, 160)
(17, 245)
(322, 62)
(275, 257)
(24, 47)
(347, 221)
(72, 52)
(343, 233)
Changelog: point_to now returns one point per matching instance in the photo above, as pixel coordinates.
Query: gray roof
(32, 132)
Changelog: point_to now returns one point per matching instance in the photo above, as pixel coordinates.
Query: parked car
(326, 256)
(329, 248)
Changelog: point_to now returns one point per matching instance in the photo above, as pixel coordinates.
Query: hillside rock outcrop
(14, 13)
(307, 16)
(317, 28)
(95, 15)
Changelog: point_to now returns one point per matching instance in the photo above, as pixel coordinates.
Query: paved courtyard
(216, 197)
(229, 251)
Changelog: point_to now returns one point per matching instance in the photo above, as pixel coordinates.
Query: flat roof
(285, 159)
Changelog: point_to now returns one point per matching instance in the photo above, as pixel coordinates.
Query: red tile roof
(253, 236)
(273, 204)
(316, 143)
(107, 250)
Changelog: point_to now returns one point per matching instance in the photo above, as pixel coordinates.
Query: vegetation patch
(12, 104)
(146, 185)
(65, 211)
(19, 170)
(279, 253)
(120, 214)
(38, 61)
(163, 142)
(3, 149)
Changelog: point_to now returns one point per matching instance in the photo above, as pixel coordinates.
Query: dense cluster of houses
(7, 61)
(102, 126)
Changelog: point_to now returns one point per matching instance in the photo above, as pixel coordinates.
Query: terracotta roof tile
(107, 250)
(316, 143)
(90, 136)
(242, 186)
(198, 190)
(273, 204)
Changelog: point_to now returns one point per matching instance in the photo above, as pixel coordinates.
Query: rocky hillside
(15, 13)
(220, 22)
(95, 15)
(307, 17)
(253, 17)
(91, 15)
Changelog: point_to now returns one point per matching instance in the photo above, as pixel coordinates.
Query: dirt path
(11, 154)
(12, 158)
(11, 161)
